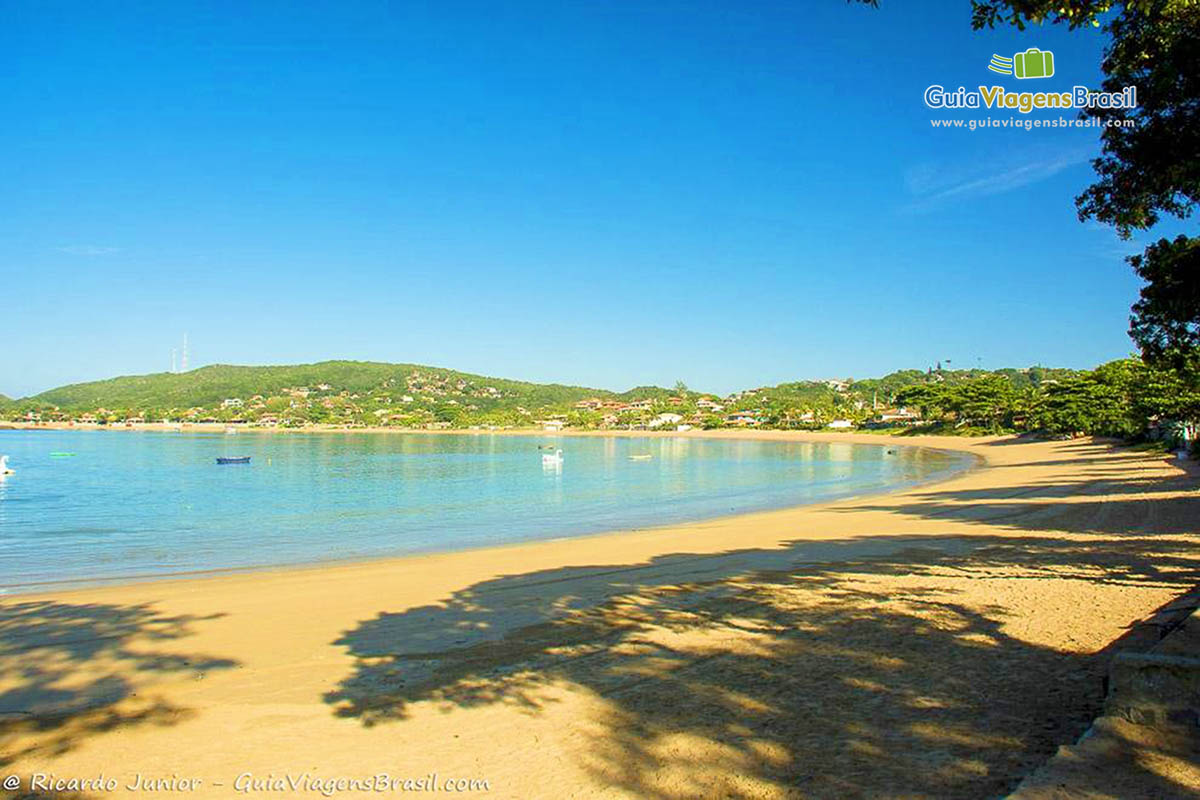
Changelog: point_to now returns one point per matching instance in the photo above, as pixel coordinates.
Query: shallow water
(142, 504)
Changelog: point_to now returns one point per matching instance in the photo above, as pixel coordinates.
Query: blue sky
(601, 193)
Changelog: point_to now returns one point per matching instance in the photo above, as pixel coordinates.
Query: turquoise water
(139, 504)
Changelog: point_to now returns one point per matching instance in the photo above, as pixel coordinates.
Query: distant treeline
(211, 385)
(1125, 398)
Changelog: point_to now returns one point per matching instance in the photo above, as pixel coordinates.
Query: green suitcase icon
(1033, 63)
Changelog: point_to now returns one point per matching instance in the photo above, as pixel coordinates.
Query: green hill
(368, 393)
(209, 386)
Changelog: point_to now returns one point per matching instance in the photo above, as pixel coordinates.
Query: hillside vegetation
(343, 392)
(1124, 398)
(853, 395)
(212, 385)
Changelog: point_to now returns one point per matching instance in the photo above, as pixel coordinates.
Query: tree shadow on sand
(71, 671)
(1104, 499)
(846, 668)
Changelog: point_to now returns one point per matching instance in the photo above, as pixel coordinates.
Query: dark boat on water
(233, 459)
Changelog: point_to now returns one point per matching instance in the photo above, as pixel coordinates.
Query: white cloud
(934, 184)
(88, 250)
(1109, 245)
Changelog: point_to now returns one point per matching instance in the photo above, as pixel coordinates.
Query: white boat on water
(554, 459)
(4, 470)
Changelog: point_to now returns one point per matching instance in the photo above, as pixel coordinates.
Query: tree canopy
(1150, 168)
(1165, 322)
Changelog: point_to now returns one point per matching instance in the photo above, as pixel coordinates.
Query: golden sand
(937, 642)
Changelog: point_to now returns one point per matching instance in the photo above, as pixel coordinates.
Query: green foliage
(580, 418)
(987, 401)
(1166, 392)
(636, 393)
(209, 386)
(1125, 398)
(1151, 167)
(342, 393)
(1166, 319)
(1074, 13)
(1097, 402)
(1122, 398)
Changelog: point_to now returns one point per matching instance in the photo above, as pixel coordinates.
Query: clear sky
(610, 194)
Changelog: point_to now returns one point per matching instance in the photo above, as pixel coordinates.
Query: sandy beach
(941, 641)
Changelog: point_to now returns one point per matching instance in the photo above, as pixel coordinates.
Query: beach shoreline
(531, 430)
(839, 648)
(55, 587)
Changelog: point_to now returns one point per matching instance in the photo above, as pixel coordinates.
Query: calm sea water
(129, 505)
